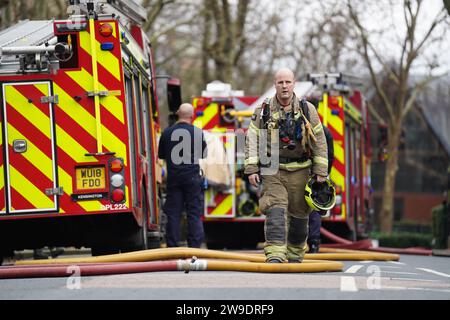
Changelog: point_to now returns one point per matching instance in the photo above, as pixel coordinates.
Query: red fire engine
(232, 218)
(343, 109)
(78, 132)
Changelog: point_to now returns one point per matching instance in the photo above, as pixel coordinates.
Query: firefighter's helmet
(320, 196)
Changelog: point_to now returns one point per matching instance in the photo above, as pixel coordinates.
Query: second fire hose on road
(190, 259)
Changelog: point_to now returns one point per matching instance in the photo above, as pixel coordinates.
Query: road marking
(396, 262)
(429, 289)
(415, 288)
(435, 272)
(354, 269)
(394, 287)
(397, 272)
(348, 284)
(366, 261)
(412, 279)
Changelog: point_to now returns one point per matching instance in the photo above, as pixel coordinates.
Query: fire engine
(78, 131)
(231, 217)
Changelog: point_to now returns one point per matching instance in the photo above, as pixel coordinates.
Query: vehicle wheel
(154, 242)
(6, 253)
(139, 236)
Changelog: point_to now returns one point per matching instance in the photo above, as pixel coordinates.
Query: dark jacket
(182, 145)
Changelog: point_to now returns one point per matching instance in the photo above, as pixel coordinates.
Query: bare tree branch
(373, 75)
(418, 88)
(440, 17)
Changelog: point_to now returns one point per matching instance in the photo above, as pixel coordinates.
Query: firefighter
(181, 146)
(315, 219)
(285, 143)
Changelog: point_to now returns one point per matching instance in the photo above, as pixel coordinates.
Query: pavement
(441, 252)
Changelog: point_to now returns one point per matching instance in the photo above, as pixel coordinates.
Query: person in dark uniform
(315, 219)
(181, 146)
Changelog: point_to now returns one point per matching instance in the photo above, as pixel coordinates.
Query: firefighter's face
(284, 84)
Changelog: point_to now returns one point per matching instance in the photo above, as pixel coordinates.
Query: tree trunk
(205, 44)
(224, 72)
(387, 207)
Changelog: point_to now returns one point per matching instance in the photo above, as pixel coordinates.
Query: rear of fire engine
(231, 215)
(343, 110)
(232, 218)
(78, 123)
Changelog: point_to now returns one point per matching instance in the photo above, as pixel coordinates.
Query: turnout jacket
(310, 151)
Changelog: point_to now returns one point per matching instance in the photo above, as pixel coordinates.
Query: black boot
(314, 246)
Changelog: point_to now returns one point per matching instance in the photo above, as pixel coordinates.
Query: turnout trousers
(315, 222)
(184, 193)
(287, 213)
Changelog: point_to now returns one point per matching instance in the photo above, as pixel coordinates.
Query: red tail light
(118, 195)
(333, 102)
(105, 29)
(116, 180)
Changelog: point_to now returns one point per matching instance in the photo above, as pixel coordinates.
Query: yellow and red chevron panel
(75, 114)
(332, 116)
(57, 136)
(30, 156)
(220, 206)
(206, 113)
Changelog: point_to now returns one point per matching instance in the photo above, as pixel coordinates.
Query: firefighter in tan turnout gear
(285, 144)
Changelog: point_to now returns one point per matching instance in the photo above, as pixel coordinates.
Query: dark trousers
(184, 193)
(314, 225)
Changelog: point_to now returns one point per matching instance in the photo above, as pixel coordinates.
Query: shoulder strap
(305, 108)
(265, 112)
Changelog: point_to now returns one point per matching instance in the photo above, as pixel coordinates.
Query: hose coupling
(192, 264)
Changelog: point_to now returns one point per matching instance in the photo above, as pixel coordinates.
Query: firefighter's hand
(254, 179)
(321, 178)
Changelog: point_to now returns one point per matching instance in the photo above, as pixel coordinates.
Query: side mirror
(173, 94)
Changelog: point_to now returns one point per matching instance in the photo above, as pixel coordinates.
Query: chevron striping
(34, 155)
(20, 182)
(224, 207)
(208, 114)
(106, 58)
(110, 103)
(32, 113)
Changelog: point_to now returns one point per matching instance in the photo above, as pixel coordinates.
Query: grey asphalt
(413, 277)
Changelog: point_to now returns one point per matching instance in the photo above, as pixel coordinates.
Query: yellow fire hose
(163, 260)
(185, 253)
(219, 260)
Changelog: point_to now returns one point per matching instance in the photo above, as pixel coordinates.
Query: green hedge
(440, 226)
(408, 226)
(403, 239)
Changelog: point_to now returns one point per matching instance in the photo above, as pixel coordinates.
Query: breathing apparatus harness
(291, 130)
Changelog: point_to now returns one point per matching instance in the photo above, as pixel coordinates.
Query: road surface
(412, 277)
